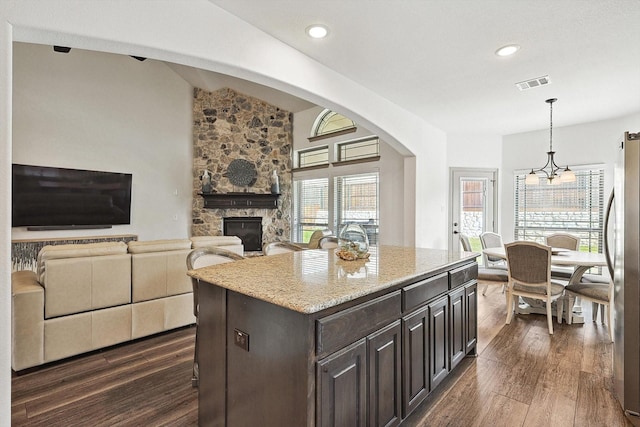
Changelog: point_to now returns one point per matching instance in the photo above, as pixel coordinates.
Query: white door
(473, 205)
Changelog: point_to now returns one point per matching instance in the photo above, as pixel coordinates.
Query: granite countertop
(313, 280)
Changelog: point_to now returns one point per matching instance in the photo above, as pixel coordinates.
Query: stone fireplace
(228, 125)
(248, 229)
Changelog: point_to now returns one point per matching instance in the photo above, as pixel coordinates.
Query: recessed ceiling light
(507, 50)
(317, 31)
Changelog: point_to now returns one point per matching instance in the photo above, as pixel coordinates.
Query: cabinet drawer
(335, 331)
(420, 292)
(463, 275)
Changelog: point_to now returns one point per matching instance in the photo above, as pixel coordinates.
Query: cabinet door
(415, 359)
(457, 340)
(471, 324)
(385, 376)
(342, 387)
(439, 340)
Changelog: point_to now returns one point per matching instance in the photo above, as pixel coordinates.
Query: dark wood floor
(144, 383)
(521, 377)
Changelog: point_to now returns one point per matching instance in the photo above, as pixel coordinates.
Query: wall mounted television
(56, 198)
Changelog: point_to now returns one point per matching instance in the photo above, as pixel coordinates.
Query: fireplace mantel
(240, 200)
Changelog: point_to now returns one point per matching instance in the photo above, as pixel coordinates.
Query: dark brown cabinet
(342, 392)
(471, 316)
(384, 366)
(364, 375)
(439, 340)
(415, 359)
(405, 360)
(457, 339)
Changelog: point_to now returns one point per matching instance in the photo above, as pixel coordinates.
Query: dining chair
(600, 295)
(486, 275)
(314, 240)
(198, 258)
(564, 241)
(529, 269)
(490, 239)
(275, 248)
(328, 242)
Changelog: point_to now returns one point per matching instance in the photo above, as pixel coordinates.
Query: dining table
(581, 263)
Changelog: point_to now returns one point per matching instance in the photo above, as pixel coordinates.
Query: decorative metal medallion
(241, 172)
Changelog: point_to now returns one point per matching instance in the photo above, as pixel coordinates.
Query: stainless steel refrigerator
(624, 207)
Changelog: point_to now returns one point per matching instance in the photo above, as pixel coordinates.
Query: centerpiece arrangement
(353, 243)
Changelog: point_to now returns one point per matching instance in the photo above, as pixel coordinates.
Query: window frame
(300, 153)
(341, 147)
(591, 236)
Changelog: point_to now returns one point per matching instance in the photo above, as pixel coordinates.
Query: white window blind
(356, 201)
(310, 207)
(576, 208)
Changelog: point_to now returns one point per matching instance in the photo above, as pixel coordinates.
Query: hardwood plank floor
(521, 377)
(147, 382)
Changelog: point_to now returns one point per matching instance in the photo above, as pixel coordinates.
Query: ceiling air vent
(531, 83)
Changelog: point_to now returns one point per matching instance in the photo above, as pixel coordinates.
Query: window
(356, 201)
(310, 207)
(329, 123)
(576, 208)
(357, 150)
(313, 157)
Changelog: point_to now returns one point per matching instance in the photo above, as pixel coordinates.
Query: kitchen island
(304, 338)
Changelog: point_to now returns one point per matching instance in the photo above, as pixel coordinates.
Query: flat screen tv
(48, 197)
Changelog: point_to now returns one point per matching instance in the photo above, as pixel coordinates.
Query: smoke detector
(532, 83)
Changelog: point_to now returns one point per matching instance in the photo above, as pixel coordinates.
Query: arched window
(329, 123)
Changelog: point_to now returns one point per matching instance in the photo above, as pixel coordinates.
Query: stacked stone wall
(228, 125)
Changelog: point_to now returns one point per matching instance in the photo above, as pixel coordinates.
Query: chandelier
(555, 174)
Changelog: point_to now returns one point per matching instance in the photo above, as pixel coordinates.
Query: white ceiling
(436, 58)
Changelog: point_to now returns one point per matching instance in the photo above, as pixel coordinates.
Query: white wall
(589, 143)
(390, 168)
(100, 111)
(474, 151)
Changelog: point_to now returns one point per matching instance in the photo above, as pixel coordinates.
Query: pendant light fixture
(555, 174)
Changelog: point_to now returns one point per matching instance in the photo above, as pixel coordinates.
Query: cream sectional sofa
(84, 297)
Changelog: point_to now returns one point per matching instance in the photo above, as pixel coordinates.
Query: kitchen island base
(370, 361)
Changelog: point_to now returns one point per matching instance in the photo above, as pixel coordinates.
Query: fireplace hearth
(248, 229)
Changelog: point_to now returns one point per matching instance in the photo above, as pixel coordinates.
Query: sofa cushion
(204, 241)
(159, 274)
(79, 250)
(138, 247)
(74, 285)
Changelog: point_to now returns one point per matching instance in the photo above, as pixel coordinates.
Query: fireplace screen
(248, 229)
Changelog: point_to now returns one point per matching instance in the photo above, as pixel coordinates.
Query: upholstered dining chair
(529, 267)
(490, 239)
(198, 258)
(564, 241)
(275, 248)
(600, 295)
(314, 240)
(328, 242)
(486, 275)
